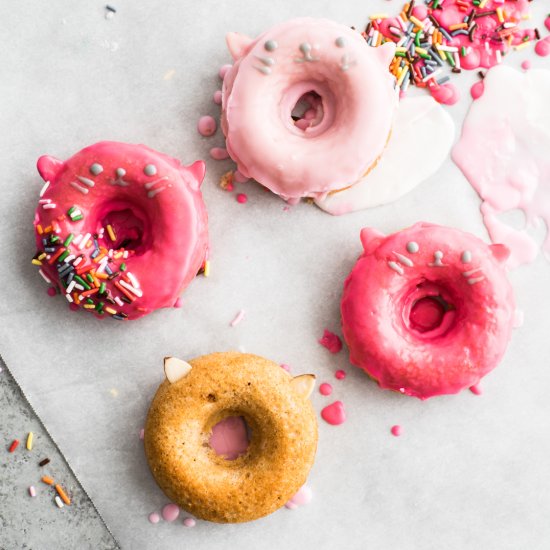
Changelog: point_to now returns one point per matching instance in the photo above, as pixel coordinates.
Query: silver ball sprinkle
(340, 41)
(305, 47)
(270, 45)
(96, 169)
(150, 170)
(412, 247)
(120, 172)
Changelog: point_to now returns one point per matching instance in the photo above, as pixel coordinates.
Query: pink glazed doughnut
(339, 91)
(120, 229)
(428, 310)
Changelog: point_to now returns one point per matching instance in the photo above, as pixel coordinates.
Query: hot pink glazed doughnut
(428, 310)
(339, 91)
(120, 229)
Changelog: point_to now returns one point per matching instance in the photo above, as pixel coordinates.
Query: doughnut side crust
(281, 452)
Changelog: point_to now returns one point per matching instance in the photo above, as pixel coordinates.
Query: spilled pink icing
(447, 94)
(396, 430)
(505, 158)
(334, 413)
(242, 198)
(476, 91)
(325, 389)
(476, 389)
(542, 47)
(301, 498)
(340, 374)
(170, 512)
(331, 341)
(229, 437)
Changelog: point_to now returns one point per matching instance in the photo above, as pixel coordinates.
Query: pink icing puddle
(542, 47)
(447, 94)
(334, 413)
(503, 152)
(526, 65)
(230, 437)
(476, 389)
(396, 430)
(242, 198)
(51, 291)
(331, 341)
(477, 89)
(154, 517)
(285, 367)
(170, 512)
(301, 498)
(218, 97)
(340, 374)
(207, 125)
(178, 303)
(237, 319)
(189, 522)
(325, 389)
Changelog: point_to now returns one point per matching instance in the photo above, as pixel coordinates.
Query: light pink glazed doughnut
(120, 229)
(344, 94)
(428, 310)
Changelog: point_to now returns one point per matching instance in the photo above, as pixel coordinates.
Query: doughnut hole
(428, 310)
(308, 108)
(131, 226)
(230, 438)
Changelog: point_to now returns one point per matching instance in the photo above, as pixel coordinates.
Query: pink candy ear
(370, 239)
(385, 53)
(198, 169)
(48, 167)
(238, 44)
(500, 252)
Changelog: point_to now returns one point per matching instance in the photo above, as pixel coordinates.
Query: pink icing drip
(476, 389)
(285, 367)
(477, 89)
(334, 413)
(242, 198)
(542, 47)
(331, 341)
(325, 389)
(230, 437)
(447, 94)
(301, 498)
(207, 125)
(154, 517)
(396, 430)
(170, 512)
(526, 65)
(178, 303)
(340, 374)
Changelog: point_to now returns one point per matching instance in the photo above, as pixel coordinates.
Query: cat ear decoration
(48, 167)
(175, 369)
(500, 251)
(303, 384)
(197, 169)
(238, 44)
(370, 239)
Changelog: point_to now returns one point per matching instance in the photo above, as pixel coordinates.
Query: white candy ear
(175, 369)
(370, 239)
(238, 44)
(48, 167)
(303, 384)
(385, 53)
(500, 251)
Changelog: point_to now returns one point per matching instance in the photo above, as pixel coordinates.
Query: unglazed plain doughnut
(120, 229)
(428, 310)
(342, 85)
(198, 395)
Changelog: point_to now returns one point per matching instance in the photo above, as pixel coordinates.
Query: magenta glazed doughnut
(120, 229)
(428, 310)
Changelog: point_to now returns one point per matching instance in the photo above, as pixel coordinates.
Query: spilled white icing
(418, 120)
(504, 151)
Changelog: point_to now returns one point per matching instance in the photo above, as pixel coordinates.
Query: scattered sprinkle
(63, 494)
(32, 491)
(331, 341)
(396, 430)
(14, 445)
(30, 439)
(47, 480)
(44, 462)
(59, 502)
(238, 318)
(242, 198)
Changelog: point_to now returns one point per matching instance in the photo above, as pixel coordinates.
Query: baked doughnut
(120, 229)
(198, 395)
(307, 107)
(428, 310)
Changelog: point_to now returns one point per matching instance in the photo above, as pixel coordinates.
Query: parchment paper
(468, 472)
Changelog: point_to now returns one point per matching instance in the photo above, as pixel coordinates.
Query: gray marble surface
(37, 523)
